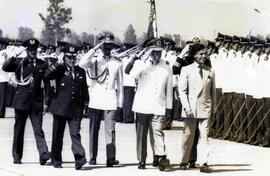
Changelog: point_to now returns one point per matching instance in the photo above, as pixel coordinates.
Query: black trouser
(217, 121)
(177, 106)
(59, 124)
(3, 86)
(228, 99)
(258, 132)
(19, 128)
(239, 115)
(128, 114)
(266, 123)
(251, 108)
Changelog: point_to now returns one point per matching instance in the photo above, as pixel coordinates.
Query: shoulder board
(117, 59)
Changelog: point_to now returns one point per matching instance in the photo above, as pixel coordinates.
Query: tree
(130, 35)
(178, 39)
(1, 33)
(142, 38)
(25, 33)
(88, 38)
(74, 38)
(54, 23)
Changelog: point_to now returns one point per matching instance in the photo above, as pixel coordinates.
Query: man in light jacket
(197, 93)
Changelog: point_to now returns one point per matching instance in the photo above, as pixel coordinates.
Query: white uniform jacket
(198, 95)
(4, 76)
(106, 95)
(155, 88)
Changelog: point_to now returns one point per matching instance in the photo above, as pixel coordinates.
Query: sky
(185, 17)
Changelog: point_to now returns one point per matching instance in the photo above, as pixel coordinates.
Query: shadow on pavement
(230, 170)
(102, 166)
(175, 167)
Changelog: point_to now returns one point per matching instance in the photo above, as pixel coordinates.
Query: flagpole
(155, 21)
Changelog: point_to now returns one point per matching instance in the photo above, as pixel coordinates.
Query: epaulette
(118, 59)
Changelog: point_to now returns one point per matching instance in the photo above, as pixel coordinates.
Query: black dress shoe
(163, 163)
(141, 165)
(192, 165)
(93, 162)
(17, 161)
(44, 158)
(112, 162)
(79, 163)
(57, 165)
(205, 168)
(183, 166)
(155, 161)
(265, 145)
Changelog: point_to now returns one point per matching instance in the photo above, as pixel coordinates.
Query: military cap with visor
(31, 44)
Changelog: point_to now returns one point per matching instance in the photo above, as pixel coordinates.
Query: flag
(152, 27)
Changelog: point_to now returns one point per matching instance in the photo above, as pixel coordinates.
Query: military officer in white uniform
(152, 102)
(106, 94)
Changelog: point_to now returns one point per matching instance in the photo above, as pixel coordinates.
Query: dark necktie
(201, 71)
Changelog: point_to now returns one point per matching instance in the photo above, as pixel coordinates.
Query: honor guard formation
(219, 89)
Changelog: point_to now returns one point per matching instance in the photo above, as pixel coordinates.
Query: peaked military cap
(210, 43)
(15, 42)
(51, 47)
(236, 39)
(177, 49)
(228, 38)
(166, 40)
(244, 40)
(86, 46)
(260, 42)
(267, 42)
(127, 45)
(107, 38)
(42, 46)
(31, 44)
(4, 41)
(62, 43)
(156, 44)
(146, 41)
(252, 40)
(220, 37)
(70, 50)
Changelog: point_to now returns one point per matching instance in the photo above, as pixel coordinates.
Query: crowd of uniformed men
(111, 81)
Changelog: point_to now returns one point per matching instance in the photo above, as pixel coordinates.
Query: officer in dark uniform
(67, 105)
(28, 99)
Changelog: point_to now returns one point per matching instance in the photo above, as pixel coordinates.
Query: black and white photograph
(134, 87)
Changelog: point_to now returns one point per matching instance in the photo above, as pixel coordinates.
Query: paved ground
(227, 158)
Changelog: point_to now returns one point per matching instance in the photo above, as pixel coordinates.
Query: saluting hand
(98, 45)
(61, 59)
(18, 51)
(185, 51)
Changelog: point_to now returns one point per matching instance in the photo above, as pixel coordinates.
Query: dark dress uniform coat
(29, 98)
(71, 94)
